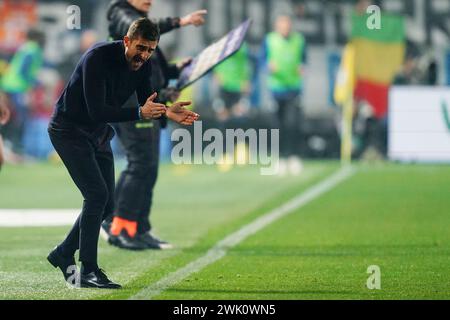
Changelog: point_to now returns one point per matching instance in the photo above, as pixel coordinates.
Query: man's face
(283, 26)
(142, 5)
(138, 51)
(362, 5)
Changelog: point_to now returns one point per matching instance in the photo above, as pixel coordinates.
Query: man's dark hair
(145, 29)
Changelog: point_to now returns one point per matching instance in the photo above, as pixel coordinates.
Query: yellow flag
(343, 95)
(345, 81)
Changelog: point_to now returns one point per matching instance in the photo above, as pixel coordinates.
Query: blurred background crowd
(256, 87)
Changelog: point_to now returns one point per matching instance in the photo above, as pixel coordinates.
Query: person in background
(36, 143)
(4, 118)
(233, 77)
(284, 54)
(130, 227)
(87, 39)
(19, 78)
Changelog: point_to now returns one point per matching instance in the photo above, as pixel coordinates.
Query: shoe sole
(117, 244)
(165, 246)
(161, 246)
(87, 285)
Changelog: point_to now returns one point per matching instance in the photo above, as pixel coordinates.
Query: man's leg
(280, 124)
(144, 224)
(20, 121)
(291, 124)
(289, 116)
(91, 167)
(105, 162)
(375, 140)
(78, 155)
(134, 190)
(146, 164)
(132, 187)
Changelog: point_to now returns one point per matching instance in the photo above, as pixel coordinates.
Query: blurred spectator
(285, 55)
(419, 68)
(19, 78)
(36, 142)
(87, 39)
(4, 118)
(408, 74)
(432, 73)
(379, 55)
(233, 76)
(362, 5)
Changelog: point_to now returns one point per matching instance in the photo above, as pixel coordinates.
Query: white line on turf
(220, 249)
(37, 217)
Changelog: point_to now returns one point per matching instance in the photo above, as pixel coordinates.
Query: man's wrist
(185, 21)
(176, 22)
(140, 113)
(167, 113)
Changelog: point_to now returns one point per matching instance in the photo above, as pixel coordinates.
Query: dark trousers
(376, 134)
(230, 98)
(89, 160)
(134, 189)
(14, 130)
(289, 116)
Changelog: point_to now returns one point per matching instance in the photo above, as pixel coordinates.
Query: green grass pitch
(394, 216)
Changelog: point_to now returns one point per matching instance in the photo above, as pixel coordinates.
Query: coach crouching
(106, 76)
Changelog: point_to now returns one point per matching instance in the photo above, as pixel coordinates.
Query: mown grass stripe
(220, 249)
(37, 217)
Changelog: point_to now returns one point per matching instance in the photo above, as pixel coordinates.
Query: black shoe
(67, 265)
(105, 230)
(124, 241)
(97, 279)
(153, 242)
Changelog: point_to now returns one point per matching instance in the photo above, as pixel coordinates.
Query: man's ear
(126, 41)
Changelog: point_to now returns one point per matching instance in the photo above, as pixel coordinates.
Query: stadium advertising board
(419, 124)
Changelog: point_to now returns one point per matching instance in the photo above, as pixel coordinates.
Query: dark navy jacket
(101, 83)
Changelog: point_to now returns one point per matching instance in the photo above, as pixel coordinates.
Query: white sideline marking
(37, 217)
(220, 249)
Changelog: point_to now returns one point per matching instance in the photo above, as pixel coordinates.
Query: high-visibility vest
(234, 72)
(286, 54)
(13, 81)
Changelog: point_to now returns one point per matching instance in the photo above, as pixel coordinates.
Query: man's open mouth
(137, 62)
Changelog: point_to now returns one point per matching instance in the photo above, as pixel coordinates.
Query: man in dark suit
(105, 77)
